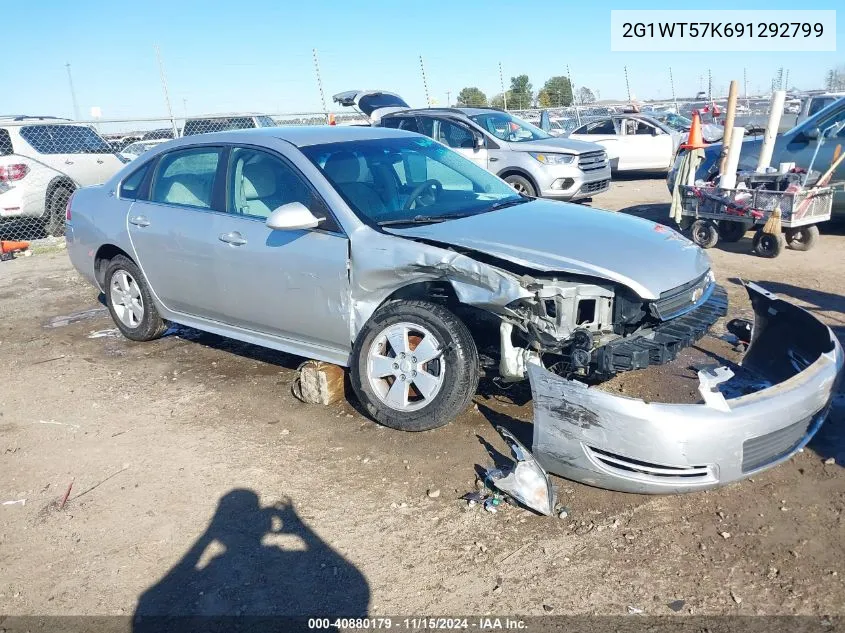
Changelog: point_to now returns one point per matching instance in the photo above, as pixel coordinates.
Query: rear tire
(130, 301)
(54, 219)
(802, 238)
(704, 233)
(414, 366)
(521, 185)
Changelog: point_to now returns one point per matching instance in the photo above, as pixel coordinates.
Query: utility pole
(448, 98)
(166, 95)
(425, 83)
(745, 83)
(320, 83)
(502, 82)
(709, 85)
(72, 93)
(571, 85)
(786, 81)
(627, 84)
(672, 86)
(185, 107)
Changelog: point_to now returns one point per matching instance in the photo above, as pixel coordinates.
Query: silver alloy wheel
(405, 367)
(518, 187)
(126, 299)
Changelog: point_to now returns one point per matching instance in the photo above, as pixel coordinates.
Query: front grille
(676, 301)
(629, 467)
(595, 187)
(759, 451)
(591, 161)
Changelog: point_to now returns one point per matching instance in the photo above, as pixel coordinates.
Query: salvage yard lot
(154, 436)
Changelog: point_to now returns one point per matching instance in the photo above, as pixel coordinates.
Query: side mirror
(478, 142)
(813, 134)
(292, 217)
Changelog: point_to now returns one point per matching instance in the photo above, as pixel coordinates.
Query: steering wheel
(420, 189)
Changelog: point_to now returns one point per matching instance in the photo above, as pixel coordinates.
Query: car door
(75, 150)
(651, 147)
(459, 137)
(292, 284)
(172, 230)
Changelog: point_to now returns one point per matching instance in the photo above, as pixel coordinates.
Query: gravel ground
(197, 481)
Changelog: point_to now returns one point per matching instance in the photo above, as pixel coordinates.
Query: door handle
(139, 220)
(234, 238)
(68, 162)
(99, 161)
(492, 159)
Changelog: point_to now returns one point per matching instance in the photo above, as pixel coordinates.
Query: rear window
(5, 143)
(401, 123)
(130, 188)
(222, 124)
(64, 139)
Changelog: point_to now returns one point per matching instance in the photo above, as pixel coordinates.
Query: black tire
(54, 215)
(732, 231)
(705, 233)
(459, 363)
(768, 245)
(802, 238)
(151, 325)
(522, 185)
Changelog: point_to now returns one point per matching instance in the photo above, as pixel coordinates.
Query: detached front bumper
(626, 444)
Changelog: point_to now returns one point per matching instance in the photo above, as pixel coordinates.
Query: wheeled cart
(710, 213)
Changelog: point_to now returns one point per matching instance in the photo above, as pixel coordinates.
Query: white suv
(42, 161)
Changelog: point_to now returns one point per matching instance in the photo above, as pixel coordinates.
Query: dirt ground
(196, 476)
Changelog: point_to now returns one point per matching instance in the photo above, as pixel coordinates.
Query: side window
(5, 143)
(454, 135)
(604, 126)
(819, 104)
(130, 188)
(402, 123)
(186, 177)
(259, 183)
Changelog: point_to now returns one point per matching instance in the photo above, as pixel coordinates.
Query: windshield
(508, 128)
(408, 180)
(64, 139)
(674, 121)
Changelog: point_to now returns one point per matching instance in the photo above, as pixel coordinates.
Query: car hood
(556, 144)
(560, 237)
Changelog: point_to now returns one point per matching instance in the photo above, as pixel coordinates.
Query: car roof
(29, 117)
(302, 135)
(434, 111)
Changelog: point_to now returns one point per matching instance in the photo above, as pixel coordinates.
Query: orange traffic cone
(10, 247)
(695, 140)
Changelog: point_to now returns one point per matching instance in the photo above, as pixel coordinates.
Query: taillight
(9, 173)
(67, 208)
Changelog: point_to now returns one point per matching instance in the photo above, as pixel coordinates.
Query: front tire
(768, 245)
(522, 185)
(130, 301)
(414, 366)
(704, 233)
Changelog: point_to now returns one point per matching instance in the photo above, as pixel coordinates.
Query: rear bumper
(605, 440)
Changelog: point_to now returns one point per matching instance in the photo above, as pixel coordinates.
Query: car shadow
(232, 579)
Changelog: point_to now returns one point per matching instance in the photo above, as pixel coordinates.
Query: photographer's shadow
(232, 570)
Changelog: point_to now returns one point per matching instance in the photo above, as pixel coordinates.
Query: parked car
(711, 132)
(814, 104)
(797, 145)
(162, 133)
(386, 252)
(527, 158)
(134, 150)
(634, 142)
(42, 161)
(223, 123)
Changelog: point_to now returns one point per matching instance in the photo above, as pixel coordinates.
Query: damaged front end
(744, 424)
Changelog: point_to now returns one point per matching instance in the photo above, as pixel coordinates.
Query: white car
(634, 142)
(816, 103)
(43, 160)
(134, 150)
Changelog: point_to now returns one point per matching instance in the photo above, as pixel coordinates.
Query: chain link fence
(44, 159)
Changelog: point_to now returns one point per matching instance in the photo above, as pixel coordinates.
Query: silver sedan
(385, 252)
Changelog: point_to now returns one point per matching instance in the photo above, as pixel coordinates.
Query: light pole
(72, 93)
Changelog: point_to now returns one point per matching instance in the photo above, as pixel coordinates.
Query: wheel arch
(105, 254)
(59, 181)
(516, 171)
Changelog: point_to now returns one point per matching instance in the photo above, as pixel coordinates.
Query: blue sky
(256, 55)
